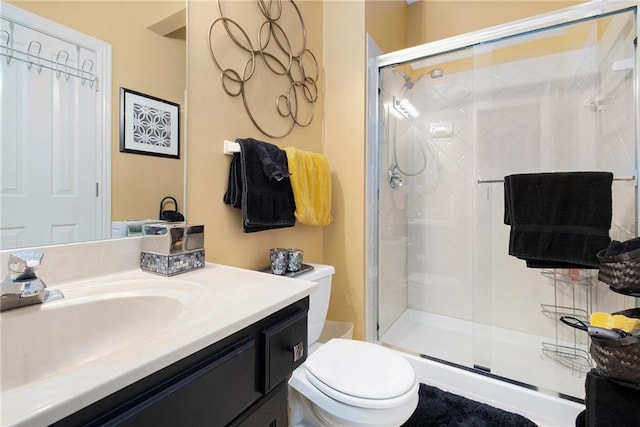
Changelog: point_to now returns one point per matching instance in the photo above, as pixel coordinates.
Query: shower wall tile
(392, 281)
(392, 233)
(508, 140)
(522, 122)
(392, 247)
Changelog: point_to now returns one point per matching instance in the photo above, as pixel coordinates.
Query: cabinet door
(269, 412)
(211, 393)
(285, 348)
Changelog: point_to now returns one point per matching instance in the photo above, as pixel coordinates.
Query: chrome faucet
(22, 287)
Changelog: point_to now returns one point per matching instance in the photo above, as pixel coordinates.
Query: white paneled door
(50, 143)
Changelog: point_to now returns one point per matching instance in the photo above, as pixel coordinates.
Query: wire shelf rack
(577, 285)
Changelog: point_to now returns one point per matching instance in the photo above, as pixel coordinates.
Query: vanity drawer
(285, 348)
(212, 393)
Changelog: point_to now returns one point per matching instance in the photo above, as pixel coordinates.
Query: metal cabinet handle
(298, 351)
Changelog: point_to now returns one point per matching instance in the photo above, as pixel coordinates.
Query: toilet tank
(319, 299)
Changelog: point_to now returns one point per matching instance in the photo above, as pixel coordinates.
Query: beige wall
(430, 20)
(215, 116)
(344, 144)
(142, 61)
(386, 23)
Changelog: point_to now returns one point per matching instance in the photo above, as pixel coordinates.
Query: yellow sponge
(617, 321)
(600, 319)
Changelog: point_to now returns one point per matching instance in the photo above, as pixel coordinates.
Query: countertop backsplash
(81, 261)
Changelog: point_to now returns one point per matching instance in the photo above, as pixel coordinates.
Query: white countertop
(215, 302)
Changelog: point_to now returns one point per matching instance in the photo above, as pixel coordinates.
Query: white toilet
(344, 382)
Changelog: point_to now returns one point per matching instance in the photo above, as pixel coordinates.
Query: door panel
(49, 144)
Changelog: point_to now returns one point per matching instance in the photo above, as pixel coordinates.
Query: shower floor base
(510, 354)
(543, 409)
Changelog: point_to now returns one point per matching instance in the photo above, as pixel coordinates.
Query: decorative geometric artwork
(276, 57)
(149, 125)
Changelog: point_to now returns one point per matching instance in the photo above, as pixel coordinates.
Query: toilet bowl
(344, 382)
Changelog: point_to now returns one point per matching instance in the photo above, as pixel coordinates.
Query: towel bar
(230, 147)
(495, 181)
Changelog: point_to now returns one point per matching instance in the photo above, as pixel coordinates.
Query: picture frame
(149, 125)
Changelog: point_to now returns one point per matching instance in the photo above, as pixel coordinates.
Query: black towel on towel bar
(233, 196)
(558, 220)
(259, 185)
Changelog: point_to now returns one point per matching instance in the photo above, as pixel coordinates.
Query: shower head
(407, 81)
(436, 73)
(403, 105)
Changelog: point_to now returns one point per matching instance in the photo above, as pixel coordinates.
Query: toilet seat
(361, 374)
(359, 401)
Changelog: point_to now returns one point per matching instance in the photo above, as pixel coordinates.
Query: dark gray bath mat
(440, 408)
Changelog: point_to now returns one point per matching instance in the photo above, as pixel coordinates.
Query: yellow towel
(617, 321)
(311, 184)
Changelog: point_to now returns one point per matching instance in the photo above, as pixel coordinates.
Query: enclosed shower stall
(553, 93)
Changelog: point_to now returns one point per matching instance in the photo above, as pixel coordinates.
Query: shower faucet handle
(395, 177)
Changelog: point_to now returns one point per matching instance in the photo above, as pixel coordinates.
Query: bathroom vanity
(210, 347)
(240, 381)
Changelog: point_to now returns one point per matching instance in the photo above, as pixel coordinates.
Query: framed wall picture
(149, 125)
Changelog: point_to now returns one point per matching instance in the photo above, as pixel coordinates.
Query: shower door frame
(546, 21)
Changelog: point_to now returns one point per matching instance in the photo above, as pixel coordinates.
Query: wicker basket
(621, 272)
(618, 359)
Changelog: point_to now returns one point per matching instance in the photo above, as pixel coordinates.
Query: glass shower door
(425, 220)
(546, 102)
(452, 126)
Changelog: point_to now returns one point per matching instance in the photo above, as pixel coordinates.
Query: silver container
(294, 259)
(172, 238)
(279, 260)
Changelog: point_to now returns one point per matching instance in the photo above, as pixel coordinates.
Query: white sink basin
(42, 340)
(113, 330)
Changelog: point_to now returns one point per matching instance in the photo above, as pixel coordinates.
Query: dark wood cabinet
(238, 381)
(270, 411)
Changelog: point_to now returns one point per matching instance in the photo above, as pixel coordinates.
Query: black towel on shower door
(558, 220)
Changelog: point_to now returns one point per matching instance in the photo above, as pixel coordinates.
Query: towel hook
(89, 63)
(66, 63)
(38, 46)
(6, 46)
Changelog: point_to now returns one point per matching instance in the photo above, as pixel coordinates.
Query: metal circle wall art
(293, 67)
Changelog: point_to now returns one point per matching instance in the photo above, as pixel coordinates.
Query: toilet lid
(361, 370)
